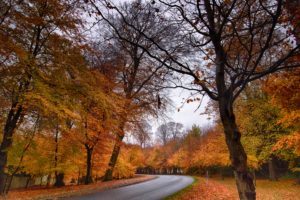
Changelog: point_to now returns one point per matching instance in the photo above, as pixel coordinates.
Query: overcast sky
(188, 114)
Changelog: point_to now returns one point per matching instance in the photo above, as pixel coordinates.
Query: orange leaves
(212, 151)
(284, 88)
(291, 141)
(192, 100)
(209, 189)
(216, 189)
(131, 157)
(193, 150)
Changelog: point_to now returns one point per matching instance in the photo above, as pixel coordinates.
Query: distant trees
(142, 132)
(193, 153)
(169, 131)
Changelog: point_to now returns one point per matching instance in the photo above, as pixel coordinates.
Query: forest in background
(77, 76)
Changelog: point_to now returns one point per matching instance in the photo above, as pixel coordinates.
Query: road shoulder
(74, 190)
(183, 191)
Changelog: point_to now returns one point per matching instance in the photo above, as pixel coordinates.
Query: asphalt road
(155, 189)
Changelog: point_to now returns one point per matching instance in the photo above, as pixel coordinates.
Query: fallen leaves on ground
(207, 190)
(74, 190)
(217, 189)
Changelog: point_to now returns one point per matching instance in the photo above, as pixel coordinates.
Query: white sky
(188, 114)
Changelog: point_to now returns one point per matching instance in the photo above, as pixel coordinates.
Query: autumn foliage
(82, 82)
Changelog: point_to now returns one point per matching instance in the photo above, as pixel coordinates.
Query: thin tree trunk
(28, 181)
(78, 180)
(238, 157)
(272, 169)
(21, 158)
(88, 177)
(48, 180)
(13, 118)
(254, 177)
(9, 183)
(59, 176)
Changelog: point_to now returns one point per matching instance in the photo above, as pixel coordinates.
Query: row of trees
(270, 136)
(66, 98)
(83, 73)
(224, 46)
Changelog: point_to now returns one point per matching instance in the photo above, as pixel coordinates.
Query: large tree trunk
(113, 159)
(114, 156)
(88, 177)
(238, 157)
(13, 118)
(272, 169)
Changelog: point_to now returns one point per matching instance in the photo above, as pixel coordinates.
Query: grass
(270, 190)
(182, 192)
(217, 189)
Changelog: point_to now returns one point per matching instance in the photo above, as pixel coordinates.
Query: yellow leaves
(252, 161)
(290, 118)
(212, 151)
(178, 159)
(124, 168)
(48, 107)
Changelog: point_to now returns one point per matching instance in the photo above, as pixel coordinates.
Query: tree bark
(238, 157)
(78, 180)
(88, 177)
(28, 181)
(59, 176)
(59, 179)
(9, 183)
(12, 120)
(48, 180)
(272, 169)
(114, 156)
(113, 159)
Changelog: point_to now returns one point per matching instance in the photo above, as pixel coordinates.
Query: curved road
(155, 189)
